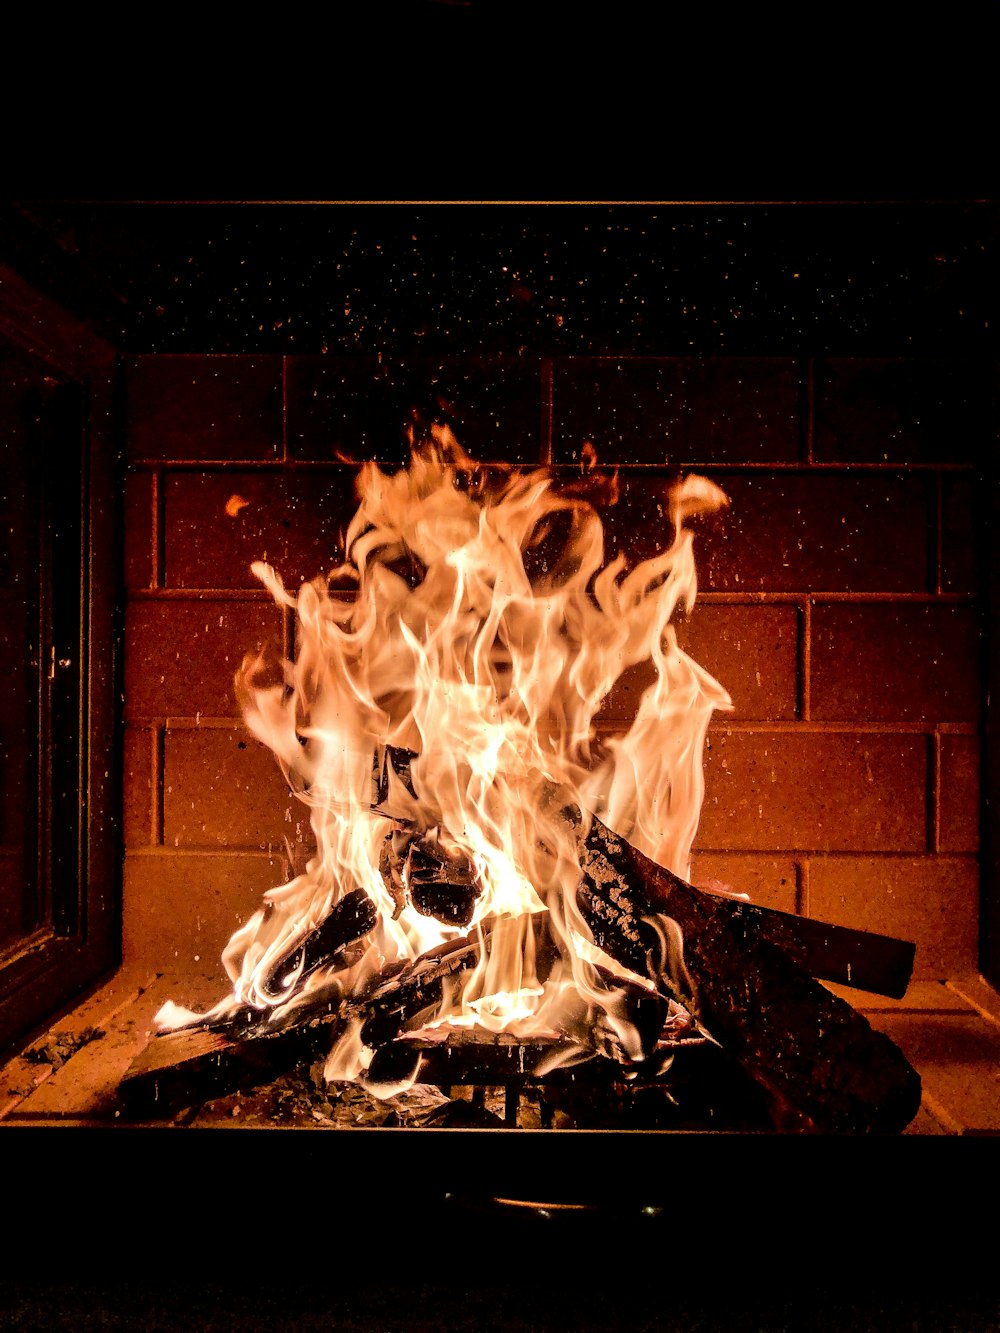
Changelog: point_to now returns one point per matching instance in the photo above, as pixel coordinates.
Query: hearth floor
(69, 1074)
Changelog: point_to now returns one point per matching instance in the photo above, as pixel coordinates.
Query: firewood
(810, 1049)
(437, 882)
(351, 918)
(386, 1010)
(860, 959)
(186, 1067)
(191, 1066)
(644, 1010)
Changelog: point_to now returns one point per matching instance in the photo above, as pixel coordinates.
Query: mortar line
(810, 406)
(914, 853)
(705, 598)
(820, 597)
(548, 380)
(156, 786)
(939, 537)
(724, 725)
(968, 994)
(284, 409)
(802, 886)
(156, 555)
(805, 661)
(180, 853)
(707, 465)
(934, 793)
(183, 594)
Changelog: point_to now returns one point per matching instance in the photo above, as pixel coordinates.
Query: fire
(439, 722)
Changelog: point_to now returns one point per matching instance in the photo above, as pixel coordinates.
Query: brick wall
(840, 603)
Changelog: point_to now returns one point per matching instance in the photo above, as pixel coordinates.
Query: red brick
(138, 530)
(902, 662)
(918, 410)
(137, 786)
(769, 880)
(203, 407)
(361, 407)
(651, 410)
(181, 909)
(628, 409)
(814, 791)
(931, 901)
(963, 534)
(222, 788)
(751, 650)
(740, 410)
(959, 809)
(790, 531)
(294, 521)
(180, 657)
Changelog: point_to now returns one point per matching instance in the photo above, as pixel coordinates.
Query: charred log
(857, 958)
(395, 769)
(436, 881)
(811, 1050)
(635, 1010)
(860, 959)
(416, 988)
(187, 1067)
(349, 920)
(184, 1069)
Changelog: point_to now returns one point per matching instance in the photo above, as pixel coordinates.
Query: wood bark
(354, 916)
(189, 1066)
(821, 1062)
(860, 959)
(817, 1056)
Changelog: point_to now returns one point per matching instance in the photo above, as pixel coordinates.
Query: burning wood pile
(498, 884)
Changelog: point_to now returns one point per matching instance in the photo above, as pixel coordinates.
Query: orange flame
(475, 624)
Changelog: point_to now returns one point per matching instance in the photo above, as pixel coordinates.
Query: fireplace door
(57, 895)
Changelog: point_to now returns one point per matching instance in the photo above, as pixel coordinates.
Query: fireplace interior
(832, 368)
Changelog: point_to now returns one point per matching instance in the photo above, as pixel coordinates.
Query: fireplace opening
(842, 603)
(486, 862)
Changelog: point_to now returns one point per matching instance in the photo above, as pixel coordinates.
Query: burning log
(437, 883)
(860, 959)
(416, 987)
(813, 1053)
(191, 1066)
(816, 1054)
(354, 916)
(185, 1067)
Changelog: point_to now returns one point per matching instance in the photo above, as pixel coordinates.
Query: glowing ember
(439, 721)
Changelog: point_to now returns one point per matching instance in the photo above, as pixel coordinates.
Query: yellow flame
(482, 630)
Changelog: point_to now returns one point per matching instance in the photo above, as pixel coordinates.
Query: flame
(475, 629)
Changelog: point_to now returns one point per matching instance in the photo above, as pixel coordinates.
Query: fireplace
(826, 367)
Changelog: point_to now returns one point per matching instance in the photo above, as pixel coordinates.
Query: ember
(439, 723)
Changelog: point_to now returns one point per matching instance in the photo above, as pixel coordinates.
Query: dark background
(898, 277)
